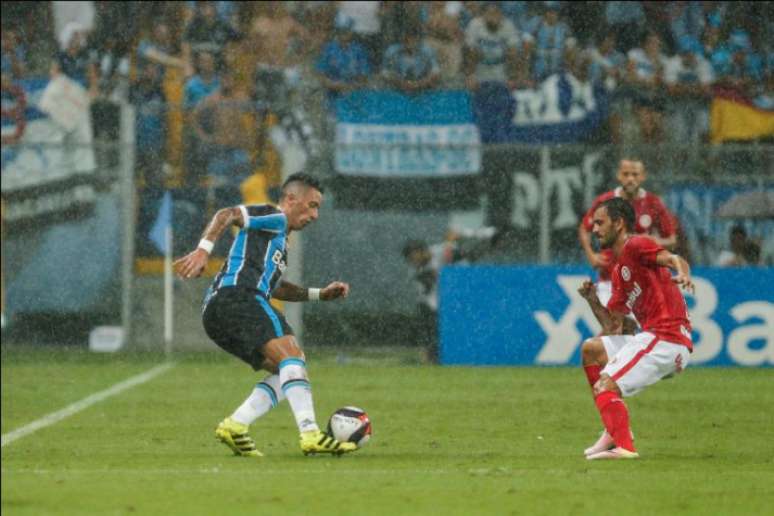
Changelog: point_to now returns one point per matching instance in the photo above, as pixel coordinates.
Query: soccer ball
(350, 424)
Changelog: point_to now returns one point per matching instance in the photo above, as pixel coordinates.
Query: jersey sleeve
(264, 218)
(643, 250)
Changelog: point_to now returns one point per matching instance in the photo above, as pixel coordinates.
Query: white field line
(85, 403)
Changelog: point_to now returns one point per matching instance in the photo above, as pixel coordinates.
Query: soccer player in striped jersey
(619, 365)
(237, 315)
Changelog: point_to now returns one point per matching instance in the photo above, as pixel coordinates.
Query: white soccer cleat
(614, 454)
(604, 443)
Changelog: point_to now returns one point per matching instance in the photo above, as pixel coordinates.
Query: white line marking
(85, 403)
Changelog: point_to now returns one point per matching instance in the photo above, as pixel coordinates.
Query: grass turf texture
(446, 441)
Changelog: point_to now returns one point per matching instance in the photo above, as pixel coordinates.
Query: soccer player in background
(651, 218)
(237, 315)
(619, 365)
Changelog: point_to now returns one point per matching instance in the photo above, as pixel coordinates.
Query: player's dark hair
(620, 209)
(304, 179)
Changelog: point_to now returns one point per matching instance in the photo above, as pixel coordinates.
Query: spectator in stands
(226, 11)
(608, 67)
(693, 18)
(737, 65)
(156, 50)
(343, 64)
(73, 59)
(744, 251)
(492, 52)
(224, 123)
(147, 96)
(203, 83)
(645, 74)
(196, 89)
(367, 28)
(551, 36)
(397, 16)
(445, 36)
(688, 78)
(627, 21)
(14, 54)
(206, 33)
(411, 66)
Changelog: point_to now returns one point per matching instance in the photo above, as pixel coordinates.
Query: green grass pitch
(464, 441)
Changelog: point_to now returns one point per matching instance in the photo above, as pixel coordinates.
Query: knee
(591, 350)
(605, 383)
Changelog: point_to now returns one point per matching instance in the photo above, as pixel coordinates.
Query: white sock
(266, 395)
(295, 385)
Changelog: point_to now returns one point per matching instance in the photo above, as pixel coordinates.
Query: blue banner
(533, 315)
(388, 134)
(561, 109)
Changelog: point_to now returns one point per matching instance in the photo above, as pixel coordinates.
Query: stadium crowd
(218, 86)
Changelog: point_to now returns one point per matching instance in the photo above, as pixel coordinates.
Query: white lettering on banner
(541, 106)
(565, 181)
(739, 340)
(526, 197)
(710, 340)
(563, 335)
(407, 150)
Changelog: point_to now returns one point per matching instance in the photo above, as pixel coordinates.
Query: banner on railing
(48, 174)
(534, 315)
(561, 109)
(388, 134)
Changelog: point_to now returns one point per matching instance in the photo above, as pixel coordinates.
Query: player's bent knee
(605, 383)
(591, 350)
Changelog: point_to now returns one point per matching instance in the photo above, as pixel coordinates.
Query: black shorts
(242, 322)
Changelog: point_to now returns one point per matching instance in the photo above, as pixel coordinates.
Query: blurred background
(445, 133)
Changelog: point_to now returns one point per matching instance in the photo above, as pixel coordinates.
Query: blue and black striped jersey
(258, 256)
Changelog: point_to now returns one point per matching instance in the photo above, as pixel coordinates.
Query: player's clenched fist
(335, 290)
(587, 290)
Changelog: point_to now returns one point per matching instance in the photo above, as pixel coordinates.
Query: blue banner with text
(533, 315)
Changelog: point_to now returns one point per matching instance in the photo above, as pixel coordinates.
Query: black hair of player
(413, 246)
(620, 209)
(305, 179)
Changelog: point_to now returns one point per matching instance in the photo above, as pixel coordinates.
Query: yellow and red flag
(734, 117)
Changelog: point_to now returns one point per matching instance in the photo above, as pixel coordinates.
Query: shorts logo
(625, 273)
(645, 221)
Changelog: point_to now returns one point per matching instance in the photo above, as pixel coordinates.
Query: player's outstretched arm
(287, 291)
(681, 268)
(612, 322)
(192, 264)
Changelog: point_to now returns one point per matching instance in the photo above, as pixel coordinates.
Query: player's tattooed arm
(679, 266)
(287, 291)
(612, 322)
(192, 264)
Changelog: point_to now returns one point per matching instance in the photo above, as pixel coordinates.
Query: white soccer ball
(350, 424)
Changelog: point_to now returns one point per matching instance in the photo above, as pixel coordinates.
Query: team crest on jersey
(625, 273)
(645, 220)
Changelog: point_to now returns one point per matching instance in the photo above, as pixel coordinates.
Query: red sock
(592, 373)
(615, 416)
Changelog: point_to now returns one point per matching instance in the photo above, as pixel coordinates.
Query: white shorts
(636, 361)
(605, 292)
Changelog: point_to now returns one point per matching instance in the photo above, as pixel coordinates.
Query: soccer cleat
(615, 453)
(316, 441)
(604, 443)
(234, 435)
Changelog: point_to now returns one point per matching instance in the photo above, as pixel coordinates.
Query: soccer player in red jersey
(619, 365)
(651, 218)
